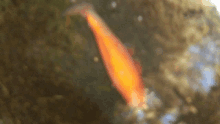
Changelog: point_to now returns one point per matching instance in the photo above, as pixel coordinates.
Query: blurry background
(205, 58)
(51, 71)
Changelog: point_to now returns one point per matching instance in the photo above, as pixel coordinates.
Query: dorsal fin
(130, 51)
(130, 48)
(137, 64)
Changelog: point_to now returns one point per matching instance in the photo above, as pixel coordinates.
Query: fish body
(121, 68)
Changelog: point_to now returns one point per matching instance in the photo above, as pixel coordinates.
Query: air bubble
(114, 4)
(140, 18)
(96, 59)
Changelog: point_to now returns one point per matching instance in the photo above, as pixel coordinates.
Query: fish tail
(79, 9)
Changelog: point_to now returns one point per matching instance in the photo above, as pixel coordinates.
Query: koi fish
(120, 66)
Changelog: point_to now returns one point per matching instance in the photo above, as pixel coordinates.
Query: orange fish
(119, 64)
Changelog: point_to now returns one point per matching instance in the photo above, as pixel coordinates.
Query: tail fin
(78, 9)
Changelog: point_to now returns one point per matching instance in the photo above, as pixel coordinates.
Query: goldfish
(120, 66)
